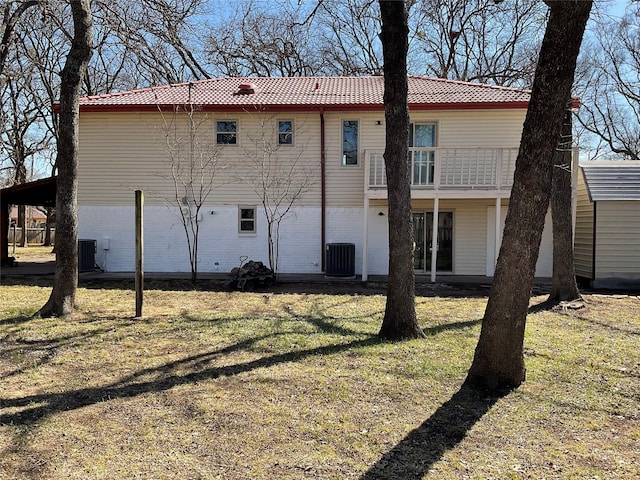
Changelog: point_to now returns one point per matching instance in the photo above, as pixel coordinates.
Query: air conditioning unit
(340, 260)
(86, 255)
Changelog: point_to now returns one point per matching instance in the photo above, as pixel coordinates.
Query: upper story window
(350, 142)
(226, 132)
(422, 135)
(285, 132)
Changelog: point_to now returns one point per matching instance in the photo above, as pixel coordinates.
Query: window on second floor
(349, 142)
(285, 132)
(226, 132)
(422, 135)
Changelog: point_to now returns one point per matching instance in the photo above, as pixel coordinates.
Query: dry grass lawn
(32, 253)
(233, 385)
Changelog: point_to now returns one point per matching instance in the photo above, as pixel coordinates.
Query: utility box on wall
(86, 255)
(340, 260)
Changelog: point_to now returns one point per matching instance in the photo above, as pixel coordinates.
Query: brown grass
(31, 253)
(236, 385)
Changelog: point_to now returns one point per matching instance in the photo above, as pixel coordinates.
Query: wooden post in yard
(139, 252)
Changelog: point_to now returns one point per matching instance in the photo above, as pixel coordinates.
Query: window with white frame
(422, 140)
(226, 132)
(247, 219)
(349, 142)
(422, 135)
(285, 132)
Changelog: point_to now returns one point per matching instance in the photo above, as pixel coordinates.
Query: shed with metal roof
(607, 238)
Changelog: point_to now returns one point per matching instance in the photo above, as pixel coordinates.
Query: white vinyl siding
(583, 245)
(618, 241)
(464, 128)
(120, 153)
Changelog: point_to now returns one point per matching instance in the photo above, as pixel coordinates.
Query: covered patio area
(39, 193)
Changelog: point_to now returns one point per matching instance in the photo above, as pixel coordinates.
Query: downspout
(323, 193)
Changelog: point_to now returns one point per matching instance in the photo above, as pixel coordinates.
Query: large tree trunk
(564, 286)
(65, 284)
(400, 321)
(499, 362)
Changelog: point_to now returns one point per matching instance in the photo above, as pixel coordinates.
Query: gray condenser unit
(340, 260)
(86, 255)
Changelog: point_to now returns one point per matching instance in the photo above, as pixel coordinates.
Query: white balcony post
(434, 239)
(499, 172)
(497, 233)
(437, 169)
(365, 241)
(367, 170)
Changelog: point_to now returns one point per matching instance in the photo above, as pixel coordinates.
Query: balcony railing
(450, 168)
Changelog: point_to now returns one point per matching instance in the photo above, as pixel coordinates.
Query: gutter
(249, 108)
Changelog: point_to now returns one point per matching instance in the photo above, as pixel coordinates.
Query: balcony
(447, 172)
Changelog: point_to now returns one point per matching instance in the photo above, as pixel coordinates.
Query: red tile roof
(309, 93)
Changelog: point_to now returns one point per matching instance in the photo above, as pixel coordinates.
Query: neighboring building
(607, 237)
(35, 218)
(464, 142)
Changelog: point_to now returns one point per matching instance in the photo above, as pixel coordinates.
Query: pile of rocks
(251, 269)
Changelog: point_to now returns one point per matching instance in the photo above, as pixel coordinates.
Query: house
(35, 218)
(464, 143)
(607, 237)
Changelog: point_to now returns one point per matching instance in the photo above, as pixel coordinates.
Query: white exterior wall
(220, 244)
(120, 153)
(124, 152)
(468, 128)
(617, 243)
(583, 243)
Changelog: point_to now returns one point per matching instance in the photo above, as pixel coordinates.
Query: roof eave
(143, 108)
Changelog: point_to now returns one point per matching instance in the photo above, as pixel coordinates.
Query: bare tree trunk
(400, 321)
(22, 224)
(20, 178)
(564, 286)
(10, 19)
(499, 361)
(62, 299)
(47, 228)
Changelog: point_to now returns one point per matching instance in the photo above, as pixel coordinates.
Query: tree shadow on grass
(414, 455)
(30, 354)
(47, 404)
(33, 408)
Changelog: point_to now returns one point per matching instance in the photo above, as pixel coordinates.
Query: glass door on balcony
(422, 230)
(422, 140)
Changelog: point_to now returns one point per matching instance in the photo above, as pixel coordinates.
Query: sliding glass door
(422, 233)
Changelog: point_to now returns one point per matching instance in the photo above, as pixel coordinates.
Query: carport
(40, 193)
